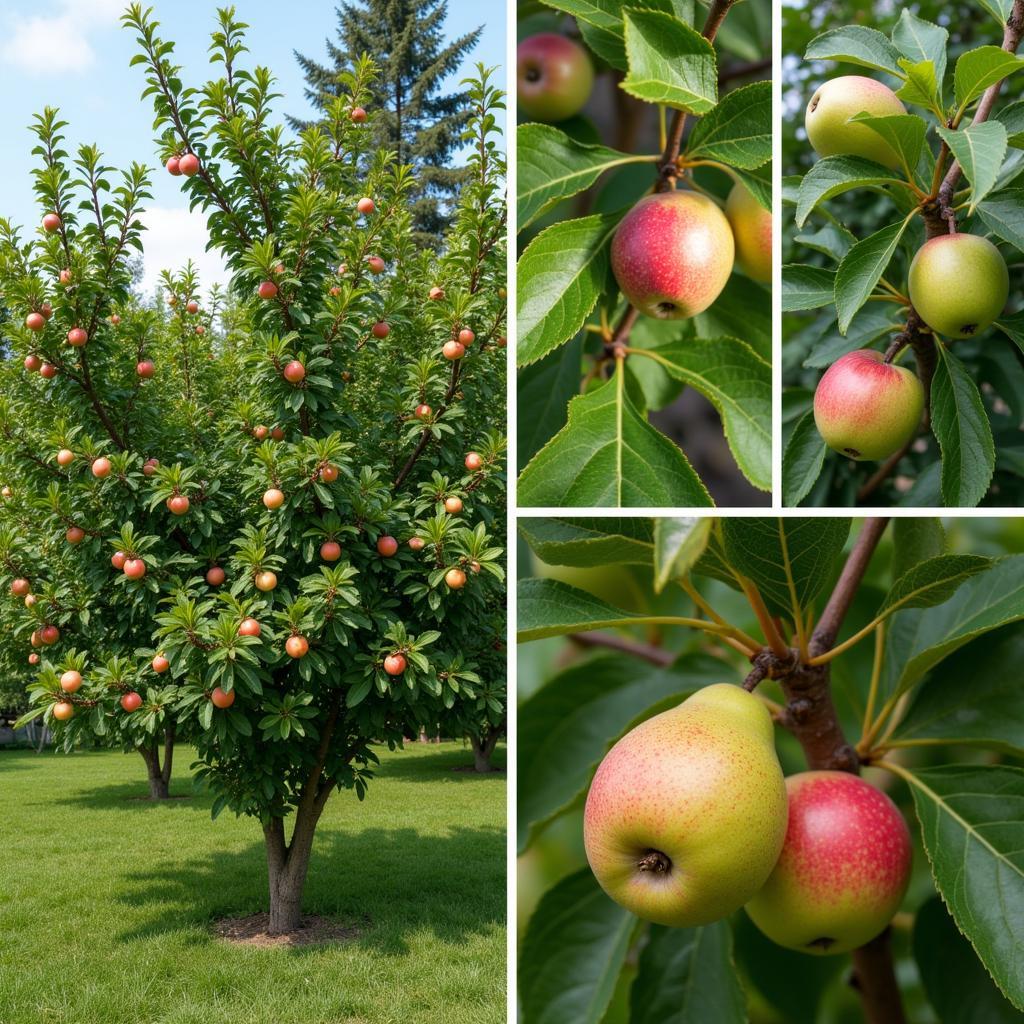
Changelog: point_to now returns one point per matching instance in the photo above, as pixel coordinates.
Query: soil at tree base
(251, 930)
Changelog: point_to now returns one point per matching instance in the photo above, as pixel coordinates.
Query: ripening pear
(958, 284)
(686, 814)
(751, 227)
(843, 869)
(829, 129)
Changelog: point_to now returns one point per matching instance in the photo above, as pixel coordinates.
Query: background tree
(293, 577)
(416, 118)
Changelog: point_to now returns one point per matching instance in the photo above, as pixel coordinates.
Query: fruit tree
(902, 353)
(791, 775)
(264, 515)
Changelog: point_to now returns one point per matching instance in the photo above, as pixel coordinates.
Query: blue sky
(74, 54)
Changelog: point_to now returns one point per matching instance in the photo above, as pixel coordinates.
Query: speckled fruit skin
(843, 870)
(958, 284)
(702, 786)
(835, 102)
(554, 77)
(751, 227)
(672, 254)
(866, 408)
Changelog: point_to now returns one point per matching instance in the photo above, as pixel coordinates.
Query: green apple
(829, 129)
(958, 284)
(843, 869)
(686, 814)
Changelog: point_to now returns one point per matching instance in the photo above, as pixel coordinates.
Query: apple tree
(877, 660)
(902, 354)
(288, 548)
(645, 254)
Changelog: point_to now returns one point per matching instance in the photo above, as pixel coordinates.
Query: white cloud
(59, 42)
(171, 239)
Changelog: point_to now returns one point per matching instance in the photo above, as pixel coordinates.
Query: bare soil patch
(251, 930)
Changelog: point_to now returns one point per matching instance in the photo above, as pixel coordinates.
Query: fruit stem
(771, 634)
(876, 675)
(698, 600)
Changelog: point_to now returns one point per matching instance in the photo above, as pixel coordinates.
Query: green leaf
(687, 976)
(1013, 327)
(757, 183)
(1002, 213)
(802, 461)
(568, 725)
(744, 311)
(919, 40)
(738, 131)
(575, 933)
(861, 269)
(961, 426)
(933, 581)
(979, 68)
(855, 44)
(914, 540)
(590, 541)
(560, 277)
(922, 87)
(1012, 116)
(737, 382)
(919, 638)
(789, 560)
(979, 149)
(971, 698)
(608, 455)
(956, 982)
(831, 239)
(999, 9)
(669, 62)
(806, 287)
(972, 825)
(904, 133)
(543, 392)
(836, 174)
(551, 608)
(678, 542)
(552, 166)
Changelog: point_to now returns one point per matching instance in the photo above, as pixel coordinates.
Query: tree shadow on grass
(389, 884)
(134, 795)
(437, 763)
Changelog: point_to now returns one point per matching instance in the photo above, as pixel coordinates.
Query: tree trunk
(287, 867)
(482, 751)
(159, 776)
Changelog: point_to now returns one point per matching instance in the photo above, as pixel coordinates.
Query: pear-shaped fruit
(751, 227)
(829, 129)
(686, 815)
(843, 870)
(958, 284)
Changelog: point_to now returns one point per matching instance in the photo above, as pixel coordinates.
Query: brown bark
(483, 750)
(158, 783)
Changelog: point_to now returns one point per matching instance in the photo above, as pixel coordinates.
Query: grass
(106, 901)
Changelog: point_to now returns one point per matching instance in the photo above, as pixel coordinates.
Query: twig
(645, 652)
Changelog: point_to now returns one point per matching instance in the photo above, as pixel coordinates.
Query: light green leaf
(1012, 116)
(922, 85)
(862, 268)
(836, 174)
(979, 149)
(590, 541)
(678, 542)
(919, 40)
(806, 287)
(802, 461)
(979, 68)
(999, 9)
(1002, 213)
(932, 581)
(551, 608)
(904, 133)
(738, 131)
(856, 44)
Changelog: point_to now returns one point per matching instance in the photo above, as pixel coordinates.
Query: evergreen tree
(413, 116)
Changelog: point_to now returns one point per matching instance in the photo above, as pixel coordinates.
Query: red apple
(20, 587)
(330, 551)
(358, 115)
(455, 578)
(145, 369)
(376, 264)
(192, 306)
(215, 576)
(134, 568)
(273, 498)
(65, 276)
(387, 545)
(266, 290)
(277, 433)
(49, 635)
(249, 627)
(35, 321)
(260, 432)
(453, 350)
(266, 581)
(329, 473)
(65, 457)
(294, 372)
(62, 710)
(502, 341)
(34, 638)
(221, 698)
(75, 535)
(474, 566)
(436, 294)
(365, 206)
(77, 336)
(70, 681)
(342, 269)
(296, 646)
(453, 505)
(46, 309)
(554, 77)
(473, 462)
(117, 560)
(160, 664)
(32, 362)
(394, 664)
(131, 701)
(33, 658)
(149, 466)
(416, 543)
(200, 330)
(380, 329)
(178, 504)
(48, 370)
(31, 600)
(188, 164)
(101, 467)
(115, 319)
(423, 412)
(51, 222)
(466, 336)
(173, 167)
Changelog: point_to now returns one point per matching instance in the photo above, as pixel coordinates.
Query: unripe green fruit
(843, 869)
(751, 227)
(834, 102)
(554, 77)
(686, 815)
(958, 284)
(866, 408)
(672, 254)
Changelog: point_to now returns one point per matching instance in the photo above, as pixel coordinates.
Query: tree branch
(645, 652)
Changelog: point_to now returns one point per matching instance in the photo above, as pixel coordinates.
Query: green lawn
(106, 901)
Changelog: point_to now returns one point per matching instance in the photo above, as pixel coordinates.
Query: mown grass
(106, 901)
